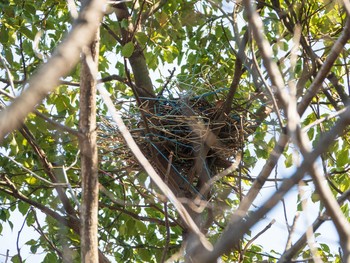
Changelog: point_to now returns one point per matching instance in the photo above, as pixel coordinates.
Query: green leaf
(145, 254)
(15, 259)
(315, 197)
(128, 49)
(342, 157)
(124, 23)
(31, 242)
(121, 229)
(4, 35)
(31, 180)
(23, 207)
(14, 145)
(141, 227)
(30, 219)
(141, 37)
(27, 32)
(168, 56)
(11, 224)
(70, 121)
(34, 248)
(50, 257)
(3, 215)
(289, 160)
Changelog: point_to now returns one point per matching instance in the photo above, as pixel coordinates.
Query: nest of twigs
(175, 130)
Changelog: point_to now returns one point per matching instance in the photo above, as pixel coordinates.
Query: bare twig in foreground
(227, 240)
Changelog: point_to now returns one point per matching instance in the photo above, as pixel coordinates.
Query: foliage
(212, 51)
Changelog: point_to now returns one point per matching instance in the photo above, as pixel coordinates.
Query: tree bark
(143, 82)
(88, 148)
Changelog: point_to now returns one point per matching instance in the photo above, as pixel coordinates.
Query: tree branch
(88, 149)
(48, 168)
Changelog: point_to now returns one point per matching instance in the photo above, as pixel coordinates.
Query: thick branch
(88, 148)
(144, 87)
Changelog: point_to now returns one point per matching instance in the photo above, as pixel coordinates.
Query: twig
(218, 176)
(43, 116)
(41, 232)
(18, 235)
(48, 168)
(167, 240)
(3, 92)
(239, 227)
(325, 68)
(137, 21)
(76, 84)
(9, 75)
(288, 254)
(69, 185)
(22, 55)
(291, 231)
(269, 90)
(282, 201)
(310, 237)
(57, 124)
(256, 236)
(168, 79)
(137, 216)
(111, 32)
(319, 121)
(153, 9)
(288, 101)
(32, 173)
(71, 222)
(7, 255)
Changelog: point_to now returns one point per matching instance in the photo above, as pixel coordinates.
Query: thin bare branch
(292, 230)
(310, 236)
(288, 254)
(32, 173)
(326, 67)
(319, 121)
(250, 242)
(41, 232)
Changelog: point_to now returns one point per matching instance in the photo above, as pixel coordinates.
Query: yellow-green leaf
(128, 49)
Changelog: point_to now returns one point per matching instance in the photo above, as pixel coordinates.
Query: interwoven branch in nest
(180, 127)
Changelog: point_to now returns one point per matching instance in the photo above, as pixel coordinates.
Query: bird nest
(176, 130)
